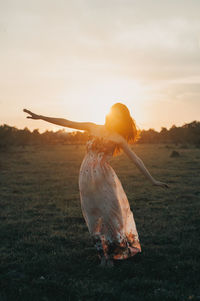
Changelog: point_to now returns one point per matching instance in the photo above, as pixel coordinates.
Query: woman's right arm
(140, 165)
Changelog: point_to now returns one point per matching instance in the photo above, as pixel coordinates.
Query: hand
(162, 184)
(33, 116)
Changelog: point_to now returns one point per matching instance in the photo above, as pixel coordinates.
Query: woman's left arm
(88, 126)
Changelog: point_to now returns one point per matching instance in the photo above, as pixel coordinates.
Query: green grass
(46, 249)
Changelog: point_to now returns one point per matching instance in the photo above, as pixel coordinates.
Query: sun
(105, 94)
(92, 103)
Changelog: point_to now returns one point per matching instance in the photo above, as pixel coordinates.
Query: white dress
(104, 204)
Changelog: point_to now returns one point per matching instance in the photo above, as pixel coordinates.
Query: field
(46, 250)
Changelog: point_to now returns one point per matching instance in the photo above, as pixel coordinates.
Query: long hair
(124, 125)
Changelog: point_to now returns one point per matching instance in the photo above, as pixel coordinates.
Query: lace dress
(104, 204)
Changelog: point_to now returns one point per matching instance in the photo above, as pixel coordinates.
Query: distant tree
(164, 135)
(149, 136)
(188, 133)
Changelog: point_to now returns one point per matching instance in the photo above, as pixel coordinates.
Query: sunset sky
(74, 59)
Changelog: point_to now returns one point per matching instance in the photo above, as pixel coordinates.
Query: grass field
(46, 250)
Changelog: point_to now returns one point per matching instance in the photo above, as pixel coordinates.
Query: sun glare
(102, 96)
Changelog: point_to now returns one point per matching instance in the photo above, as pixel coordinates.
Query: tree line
(189, 133)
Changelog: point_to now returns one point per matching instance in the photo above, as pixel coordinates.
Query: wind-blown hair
(124, 125)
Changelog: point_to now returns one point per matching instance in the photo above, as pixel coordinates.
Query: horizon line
(76, 130)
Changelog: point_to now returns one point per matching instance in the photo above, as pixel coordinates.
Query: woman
(104, 204)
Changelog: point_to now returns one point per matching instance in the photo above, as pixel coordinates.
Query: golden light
(104, 94)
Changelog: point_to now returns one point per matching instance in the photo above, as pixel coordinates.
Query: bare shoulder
(101, 131)
(96, 129)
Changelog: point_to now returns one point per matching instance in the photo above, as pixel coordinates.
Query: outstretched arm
(138, 162)
(63, 122)
(140, 165)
